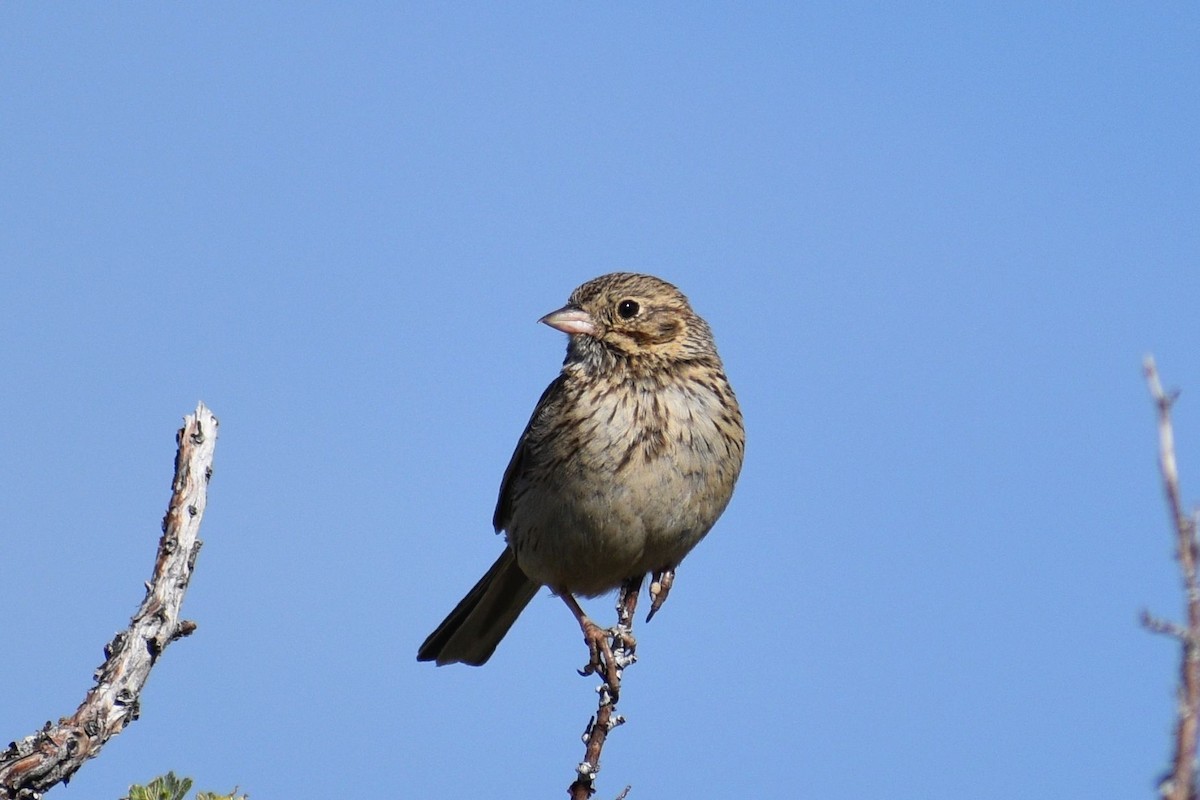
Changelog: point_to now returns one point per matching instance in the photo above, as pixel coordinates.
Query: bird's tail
(470, 633)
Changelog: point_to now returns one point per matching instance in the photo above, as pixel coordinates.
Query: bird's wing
(516, 464)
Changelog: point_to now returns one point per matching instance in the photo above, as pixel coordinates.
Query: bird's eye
(627, 309)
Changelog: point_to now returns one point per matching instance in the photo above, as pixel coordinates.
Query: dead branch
(37, 762)
(1180, 782)
(622, 646)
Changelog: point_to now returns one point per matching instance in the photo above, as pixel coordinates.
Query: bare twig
(52, 755)
(1164, 626)
(622, 645)
(1180, 782)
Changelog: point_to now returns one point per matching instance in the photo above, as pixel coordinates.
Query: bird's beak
(572, 320)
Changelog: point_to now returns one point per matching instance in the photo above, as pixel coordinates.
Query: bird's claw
(660, 587)
(601, 659)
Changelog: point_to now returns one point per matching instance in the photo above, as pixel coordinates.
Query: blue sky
(933, 242)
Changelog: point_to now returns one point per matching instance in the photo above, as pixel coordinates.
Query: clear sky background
(934, 244)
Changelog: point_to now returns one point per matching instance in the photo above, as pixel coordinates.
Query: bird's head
(628, 316)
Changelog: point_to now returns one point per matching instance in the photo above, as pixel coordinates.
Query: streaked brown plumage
(629, 458)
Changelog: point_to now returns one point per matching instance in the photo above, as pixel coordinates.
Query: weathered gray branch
(52, 755)
(1180, 782)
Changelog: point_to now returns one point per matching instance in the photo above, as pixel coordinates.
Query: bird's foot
(610, 650)
(601, 660)
(660, 587)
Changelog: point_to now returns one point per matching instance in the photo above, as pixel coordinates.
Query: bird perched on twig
(629, 458)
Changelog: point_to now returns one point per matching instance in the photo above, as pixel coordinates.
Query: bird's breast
(639, 477)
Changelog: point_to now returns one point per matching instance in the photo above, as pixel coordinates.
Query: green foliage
(164, 787)
(169, 787)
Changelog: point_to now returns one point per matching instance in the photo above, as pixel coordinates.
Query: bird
(628, 460)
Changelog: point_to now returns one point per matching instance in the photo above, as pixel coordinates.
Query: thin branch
(622, 646)
(1165, 627)
(1180, 782)
(37, 762)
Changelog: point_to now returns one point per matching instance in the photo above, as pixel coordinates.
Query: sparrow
(629, 459)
